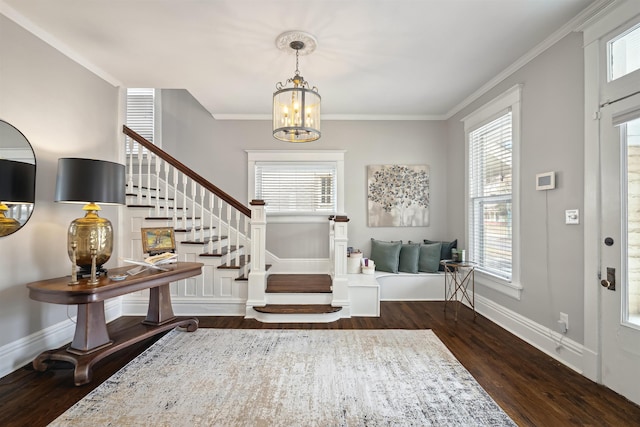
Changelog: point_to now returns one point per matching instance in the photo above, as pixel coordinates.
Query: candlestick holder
(94, 254)
(74, 267)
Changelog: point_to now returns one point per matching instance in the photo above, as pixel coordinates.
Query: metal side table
(459, 276)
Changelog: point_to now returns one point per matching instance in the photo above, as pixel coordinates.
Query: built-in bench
(367, 290)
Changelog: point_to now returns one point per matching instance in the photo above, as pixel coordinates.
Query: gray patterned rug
(220, 377)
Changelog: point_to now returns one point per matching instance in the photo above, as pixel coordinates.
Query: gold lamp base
(90, 233)
(7, 225)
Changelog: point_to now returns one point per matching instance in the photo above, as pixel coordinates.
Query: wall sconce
(17, 187)
(90, 181)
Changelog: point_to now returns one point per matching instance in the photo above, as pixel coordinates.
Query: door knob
(610, 281)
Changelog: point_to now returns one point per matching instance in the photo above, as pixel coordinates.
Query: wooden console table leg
(160, 310)
(91, 329)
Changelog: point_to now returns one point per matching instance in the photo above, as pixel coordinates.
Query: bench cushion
(385, 255)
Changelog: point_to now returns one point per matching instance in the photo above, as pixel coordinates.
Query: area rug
(220, 377)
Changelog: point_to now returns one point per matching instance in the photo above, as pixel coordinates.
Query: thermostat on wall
(546, 181)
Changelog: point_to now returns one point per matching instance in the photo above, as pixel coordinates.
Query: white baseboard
(20, 352)
(554, 344)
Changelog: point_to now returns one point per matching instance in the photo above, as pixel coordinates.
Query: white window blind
(296, 187)
(490, 196)
(140, 113)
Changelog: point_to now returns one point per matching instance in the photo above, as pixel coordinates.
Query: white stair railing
(164, 174)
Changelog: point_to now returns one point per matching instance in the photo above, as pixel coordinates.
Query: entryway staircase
(213, 228)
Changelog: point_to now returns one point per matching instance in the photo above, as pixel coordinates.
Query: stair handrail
(186, 170)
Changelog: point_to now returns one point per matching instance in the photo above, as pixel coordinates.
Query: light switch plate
(572, 216)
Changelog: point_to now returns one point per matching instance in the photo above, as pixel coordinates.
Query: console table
(458, 277)
(92, 341)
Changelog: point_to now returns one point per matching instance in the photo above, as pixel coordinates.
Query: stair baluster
(202, 203)
(237, 251)
(229, 234)
(140, 158)
(194, 194)
(168, 205)
(212, 199)
(184, 201)
(157, 186)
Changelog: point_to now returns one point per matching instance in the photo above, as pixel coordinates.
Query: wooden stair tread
(297, 309)
(235, 265)
(221, 253)
(298, 283)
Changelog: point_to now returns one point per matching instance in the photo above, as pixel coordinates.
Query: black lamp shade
(17, 182)
(90, 181)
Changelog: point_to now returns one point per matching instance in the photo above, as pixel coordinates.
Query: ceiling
(383, 59)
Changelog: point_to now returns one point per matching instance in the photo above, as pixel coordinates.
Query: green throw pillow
(429, 261)
(445, 249)
(386, 255)
(409, 256)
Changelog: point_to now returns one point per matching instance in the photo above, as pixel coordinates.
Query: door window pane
(624, 54)
(632, 133)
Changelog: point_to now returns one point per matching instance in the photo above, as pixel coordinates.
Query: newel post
(258, 274)
(339, 263)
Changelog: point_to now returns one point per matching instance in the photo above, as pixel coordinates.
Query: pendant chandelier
(296, 108)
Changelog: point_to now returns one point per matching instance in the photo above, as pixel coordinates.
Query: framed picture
(155, 240)
(398, 195)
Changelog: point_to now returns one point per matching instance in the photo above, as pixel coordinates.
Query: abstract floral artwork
(398, 195)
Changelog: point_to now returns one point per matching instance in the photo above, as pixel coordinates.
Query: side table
(92, 340)
(458, 276)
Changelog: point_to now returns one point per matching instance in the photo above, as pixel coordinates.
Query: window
(623, 53)
(141, 114)
(490, 195)
(492, 134)
(297, 185)
(630, 132)
(300, 188)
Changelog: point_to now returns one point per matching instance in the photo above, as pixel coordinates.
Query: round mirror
(17, 179)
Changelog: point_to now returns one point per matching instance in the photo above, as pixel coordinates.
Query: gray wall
(552, 140)
(216, 150)
(64, 111)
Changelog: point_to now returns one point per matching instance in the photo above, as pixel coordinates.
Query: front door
(620, 247)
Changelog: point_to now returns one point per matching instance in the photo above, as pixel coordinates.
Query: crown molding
(340, 117)
(56, 43)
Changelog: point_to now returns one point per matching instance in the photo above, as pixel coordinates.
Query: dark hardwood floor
(530, 386)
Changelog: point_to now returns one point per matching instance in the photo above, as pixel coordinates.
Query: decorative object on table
(158, 240)
(368, 266)
(354, 260)
(398, 195)
(154, 262)
(296, 110)
(17, 193)
(90, 182)
(74, 267)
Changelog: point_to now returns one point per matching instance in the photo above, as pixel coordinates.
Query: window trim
(313, 156)
(510, 99)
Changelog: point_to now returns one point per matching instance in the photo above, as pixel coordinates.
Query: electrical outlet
(563, 323)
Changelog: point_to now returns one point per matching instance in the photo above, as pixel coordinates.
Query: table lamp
(90, 181)
(17, 187)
